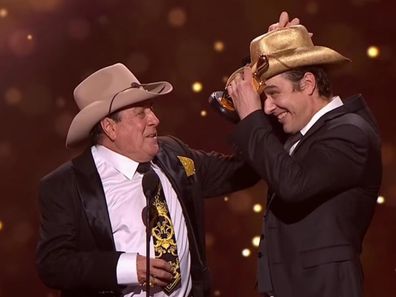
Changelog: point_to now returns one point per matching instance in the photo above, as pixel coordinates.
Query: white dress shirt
(333, 104)
(125, 200)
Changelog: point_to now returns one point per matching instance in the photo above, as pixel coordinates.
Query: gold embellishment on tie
(176, 275)
(165, 241)
(188, 165)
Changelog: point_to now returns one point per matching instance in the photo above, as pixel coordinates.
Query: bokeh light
(204, 113)
(3, 12)
(312, 7)
(13, 96)
(197, 87)
(256, 241)
(246, 253)
(257, 208)
(381, 200)
(373, 52)
(177, 17)
(218, 46)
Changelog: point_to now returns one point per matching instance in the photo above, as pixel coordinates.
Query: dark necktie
(162, 228)
(291, 140)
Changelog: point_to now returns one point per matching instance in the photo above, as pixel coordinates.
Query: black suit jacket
(76, 251)
(321, 201)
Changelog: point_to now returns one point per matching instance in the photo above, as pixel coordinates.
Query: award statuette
(221, 100)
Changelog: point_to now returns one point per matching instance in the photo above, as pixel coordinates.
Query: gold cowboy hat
(285, 49)
(105, 91)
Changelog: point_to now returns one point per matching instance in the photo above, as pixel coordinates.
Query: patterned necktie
(291, 140)
(162, 229)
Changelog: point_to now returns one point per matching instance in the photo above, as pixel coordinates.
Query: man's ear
(308, 83)
(109, 127)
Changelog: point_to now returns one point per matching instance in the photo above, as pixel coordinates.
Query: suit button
(260, 254)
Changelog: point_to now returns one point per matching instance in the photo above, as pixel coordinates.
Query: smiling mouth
(152, 135)
(281, 116)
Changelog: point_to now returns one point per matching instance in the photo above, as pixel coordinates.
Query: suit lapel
(93, 200)
(323, 119)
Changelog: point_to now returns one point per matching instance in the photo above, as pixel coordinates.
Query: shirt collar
(333, 104)
(121, 163)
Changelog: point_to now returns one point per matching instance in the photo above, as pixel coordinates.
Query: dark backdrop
(48, 46)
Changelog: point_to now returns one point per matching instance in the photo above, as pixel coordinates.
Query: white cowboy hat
(105, 91)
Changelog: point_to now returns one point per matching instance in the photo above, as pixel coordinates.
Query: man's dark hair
(322, 79)
(97, 132)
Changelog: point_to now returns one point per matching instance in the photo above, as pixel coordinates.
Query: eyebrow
(270, 88)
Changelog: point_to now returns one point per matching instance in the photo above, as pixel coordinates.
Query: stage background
(48, 46)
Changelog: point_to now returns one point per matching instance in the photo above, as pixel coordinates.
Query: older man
(93, 236)
(323, 182)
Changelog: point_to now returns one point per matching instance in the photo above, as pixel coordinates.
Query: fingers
(284, 22)
(283, 19)
(160, 272)
(293, 22)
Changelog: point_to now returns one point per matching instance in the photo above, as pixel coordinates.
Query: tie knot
(143, 167)
(291, 140)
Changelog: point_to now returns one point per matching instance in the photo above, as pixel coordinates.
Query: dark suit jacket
(76, 251)
(321, 201)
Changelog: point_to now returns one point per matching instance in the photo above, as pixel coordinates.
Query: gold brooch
(188, 165)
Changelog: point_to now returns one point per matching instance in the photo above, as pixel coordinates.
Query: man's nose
(153, 119)
(269, 106)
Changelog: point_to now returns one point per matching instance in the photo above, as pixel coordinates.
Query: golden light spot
(312, 7)
(256, 241)
(203, 113)
(1, 225)
(373, 52)
(197, 87)
(3, 12)
(177, 17)
(257, 207)
(246, 253)
(226, 199)
(218, 46)
(217, 293)
(13, 96)
(29, 37)
(381, 200)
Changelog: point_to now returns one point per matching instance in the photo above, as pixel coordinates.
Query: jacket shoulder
(59, 173)
(171, 143)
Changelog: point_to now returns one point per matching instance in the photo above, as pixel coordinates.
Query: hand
(284, 22)
(160, 271)
(244, 96)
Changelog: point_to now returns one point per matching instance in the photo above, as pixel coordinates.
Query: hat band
(133, 85)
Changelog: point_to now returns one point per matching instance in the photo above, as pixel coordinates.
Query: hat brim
(293, 58)
(90, 115)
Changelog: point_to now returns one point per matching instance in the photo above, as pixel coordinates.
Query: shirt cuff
(126, 269)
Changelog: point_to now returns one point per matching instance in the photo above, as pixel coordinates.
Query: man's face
(135, 135)
(293, 108)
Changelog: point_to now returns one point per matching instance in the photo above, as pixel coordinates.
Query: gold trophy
(221, 100)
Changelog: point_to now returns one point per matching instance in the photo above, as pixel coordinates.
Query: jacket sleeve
(62, 260)
(336, 159)
(219, 174)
